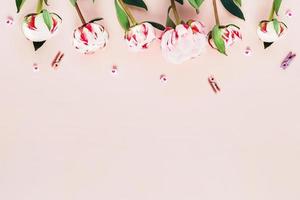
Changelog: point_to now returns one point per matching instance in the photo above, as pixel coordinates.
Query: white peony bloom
(271, 31)
(185, 42)
(36, 30)
(139, 37)
(229, 34)
(89, 38)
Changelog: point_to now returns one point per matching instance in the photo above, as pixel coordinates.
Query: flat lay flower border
(180, 39)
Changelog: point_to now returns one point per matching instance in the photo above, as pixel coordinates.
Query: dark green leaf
(267, 44)
(19, 4)
(47, 19)
(38, 45)
(233, 8)
(137, 3)
(95, 20)
(170, 22)
(122, 16)
(218, 40)
(157, 25)
(276, 5)
(180, 1)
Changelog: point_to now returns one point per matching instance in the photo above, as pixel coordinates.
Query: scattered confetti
(114, 70)
(163, 78)
(9, 20)
(212, 82)
(248, 51)
(35, 67)
(287, 60)
(289, 13)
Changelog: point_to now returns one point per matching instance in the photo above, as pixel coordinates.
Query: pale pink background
(79, 133)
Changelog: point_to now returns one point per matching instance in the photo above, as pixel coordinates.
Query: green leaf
(19, 4)
(238, 2)
(47, 19)
(196, 3)
(170, 22)
(276, 25)
(231, 7)
(180, 1)
(218, 40)
(276, 5)
(137, 3)
(122, 16)
(38, 45)
(73, 2)
(267, 44)
(96, 19)
(157, 25)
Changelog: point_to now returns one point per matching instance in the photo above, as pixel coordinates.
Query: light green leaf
(218, 40)
(47, 19)
(19, 4)
(276, 5)
(196, 3)
(276, 25)
(122, 16)
(238, 2)
(73, 2)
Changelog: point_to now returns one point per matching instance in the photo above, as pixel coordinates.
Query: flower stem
(39, 6)
(216, 12)
(177, 18)
(80, 13)
(128, 12)
(271, 16)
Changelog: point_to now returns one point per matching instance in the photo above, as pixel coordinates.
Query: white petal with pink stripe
(35, 29)
(140, 37)
(90, 37)
(267, 33)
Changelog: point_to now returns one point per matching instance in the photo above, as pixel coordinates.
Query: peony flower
(89, 38)
(184, 42)
(140, 36)
(222, 37)
(271, 31)
(35, 28)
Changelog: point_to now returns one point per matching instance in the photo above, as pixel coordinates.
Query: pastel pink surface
(80, 132)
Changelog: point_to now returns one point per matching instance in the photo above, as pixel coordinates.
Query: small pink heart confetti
(114, 70)
(248, 51)
(289, 13)
(163, 78)
(9, 20)
(35, 67)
